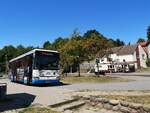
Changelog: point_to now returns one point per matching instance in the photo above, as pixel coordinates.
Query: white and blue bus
(38, 66)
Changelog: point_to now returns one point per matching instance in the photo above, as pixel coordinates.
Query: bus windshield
(46, 61)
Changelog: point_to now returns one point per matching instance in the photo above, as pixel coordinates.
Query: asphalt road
(138, 83)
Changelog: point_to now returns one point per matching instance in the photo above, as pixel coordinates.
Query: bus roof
(30, 52)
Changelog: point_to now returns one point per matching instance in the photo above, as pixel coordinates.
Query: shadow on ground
(51, 85)
(17, 101)
(44, 85)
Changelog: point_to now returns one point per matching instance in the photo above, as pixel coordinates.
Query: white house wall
(127, 58)
(103, 60)
(120, 58)
(114, 57)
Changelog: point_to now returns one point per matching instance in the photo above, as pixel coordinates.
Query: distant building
(130, 54)
(135, 55)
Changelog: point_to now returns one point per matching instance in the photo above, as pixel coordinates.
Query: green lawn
(90, 79)
(38, 110)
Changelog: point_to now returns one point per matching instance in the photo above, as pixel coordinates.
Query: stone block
(123, 103)
(124, 110)
(104, 100)
(146, 108)
(135, 106)
(108, 106)
(115, 108)
(114, 102)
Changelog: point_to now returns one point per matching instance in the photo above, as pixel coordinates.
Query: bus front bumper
(53, 82)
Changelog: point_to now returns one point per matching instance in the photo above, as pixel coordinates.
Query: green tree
(20, 50)
(76, 33)
(119, 42)
(6, 53)
(140, 40)
(47, 45)
(148, 33)
(59, 43)
(92, 33)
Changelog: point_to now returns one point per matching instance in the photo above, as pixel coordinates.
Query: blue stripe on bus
(45, 81)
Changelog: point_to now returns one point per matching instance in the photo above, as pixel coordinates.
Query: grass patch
(38, 110)
(145, 99)
(90, 79)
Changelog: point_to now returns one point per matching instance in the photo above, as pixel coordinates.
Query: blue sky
(32, 22)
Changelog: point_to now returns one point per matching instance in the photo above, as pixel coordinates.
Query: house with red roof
(131, 55)
(136, 55)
